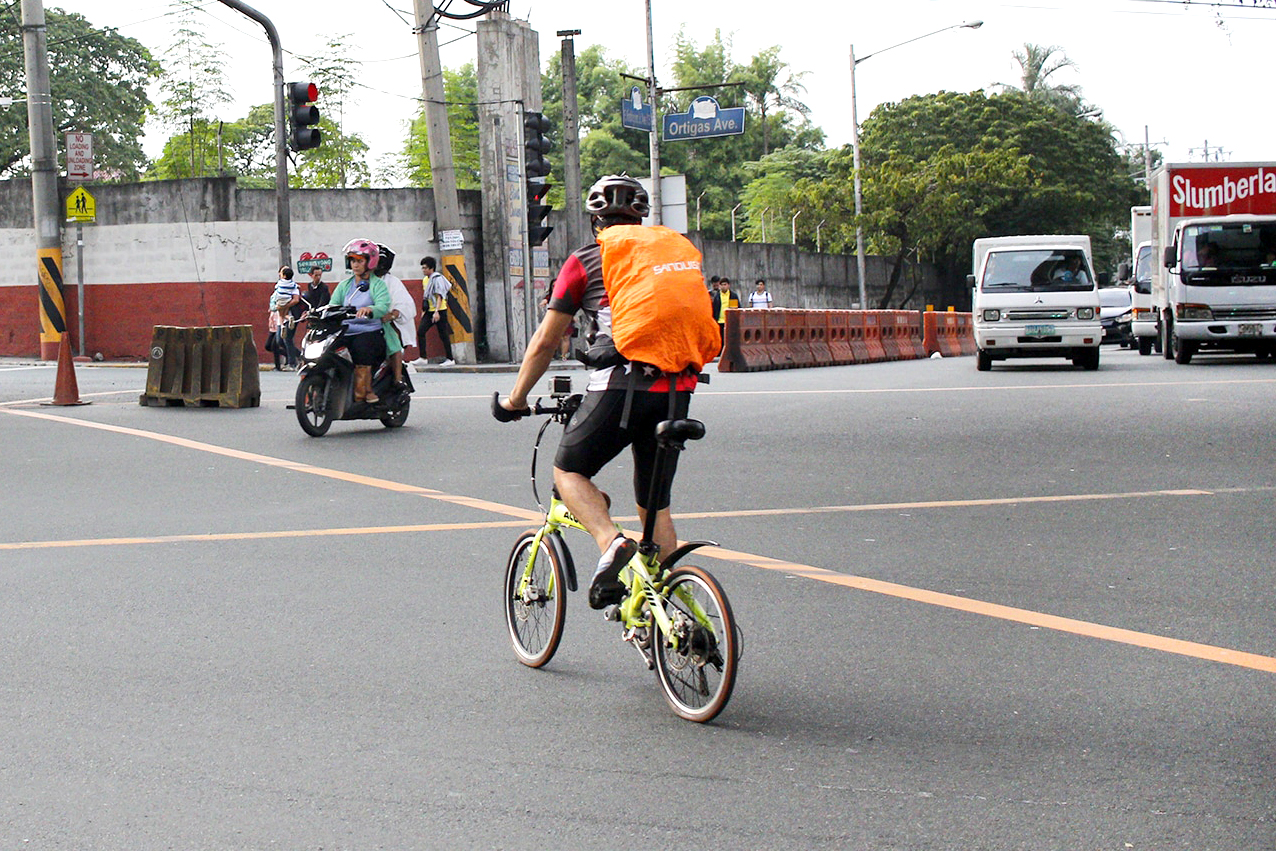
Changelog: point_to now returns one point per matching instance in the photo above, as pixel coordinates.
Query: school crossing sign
(704, 119)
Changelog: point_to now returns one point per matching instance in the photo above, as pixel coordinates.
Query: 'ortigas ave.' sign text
(704, 119)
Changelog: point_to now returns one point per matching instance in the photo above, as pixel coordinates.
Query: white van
(1035, 297)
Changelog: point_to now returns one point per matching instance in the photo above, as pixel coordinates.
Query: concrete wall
(805, 280)
(204, 252)
(197, 252)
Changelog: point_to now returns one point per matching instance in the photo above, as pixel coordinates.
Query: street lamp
(855, 147)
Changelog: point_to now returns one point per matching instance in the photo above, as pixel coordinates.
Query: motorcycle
(325, 391)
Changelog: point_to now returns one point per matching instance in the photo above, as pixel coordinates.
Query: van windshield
(1037, 270)
(1230, 245)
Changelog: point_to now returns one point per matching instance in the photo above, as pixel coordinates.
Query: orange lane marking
(1009, 613)
(296, 466)
(934, 598)
(257, 536)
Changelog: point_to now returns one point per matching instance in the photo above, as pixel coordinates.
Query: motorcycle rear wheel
(313, 411)
(398, 416)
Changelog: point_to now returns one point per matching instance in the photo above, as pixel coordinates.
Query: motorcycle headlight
(313, 351)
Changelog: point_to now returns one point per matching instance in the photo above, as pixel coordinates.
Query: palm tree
(1038, 64)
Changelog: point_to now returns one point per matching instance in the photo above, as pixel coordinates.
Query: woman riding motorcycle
(369, 339)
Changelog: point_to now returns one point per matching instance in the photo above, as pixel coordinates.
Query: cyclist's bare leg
(664, 534)
(588, 505)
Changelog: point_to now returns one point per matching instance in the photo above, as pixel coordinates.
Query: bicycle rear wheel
(535, 601)
(697, 675)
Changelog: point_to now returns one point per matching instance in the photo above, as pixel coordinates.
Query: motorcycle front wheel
(313, 411)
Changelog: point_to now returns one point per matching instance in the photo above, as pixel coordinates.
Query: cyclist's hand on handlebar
(506, 414)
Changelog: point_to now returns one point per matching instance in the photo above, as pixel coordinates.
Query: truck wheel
(1183, 349)
(1167, 341)
(983, 361)
(1145, 345)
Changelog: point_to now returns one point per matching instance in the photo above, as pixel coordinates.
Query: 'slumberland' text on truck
(1214, 237)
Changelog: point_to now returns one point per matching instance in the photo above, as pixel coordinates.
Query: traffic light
(536, 169)
(303, 134)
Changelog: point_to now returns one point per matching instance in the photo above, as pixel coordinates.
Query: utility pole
(44, 179)
(283, 209)
(653, 95)
(571, 145)
(447, 205)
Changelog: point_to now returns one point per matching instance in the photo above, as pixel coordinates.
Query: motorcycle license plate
(1251, 329)
(1039, 331)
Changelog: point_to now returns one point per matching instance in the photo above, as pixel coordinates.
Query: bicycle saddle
(680, 430)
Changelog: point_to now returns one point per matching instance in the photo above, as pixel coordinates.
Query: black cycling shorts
(594, 437)
(366, 349)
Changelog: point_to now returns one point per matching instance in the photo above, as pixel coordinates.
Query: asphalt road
(1023, 609)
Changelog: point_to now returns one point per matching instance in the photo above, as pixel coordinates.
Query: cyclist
(624, 400)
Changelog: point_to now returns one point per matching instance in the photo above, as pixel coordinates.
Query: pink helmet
(363, 247)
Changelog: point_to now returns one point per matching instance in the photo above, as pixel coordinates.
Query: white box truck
(1035, 297)
(1214, 237)
(1138, 274)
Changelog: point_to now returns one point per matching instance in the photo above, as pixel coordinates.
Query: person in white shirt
(760, 297)
(402, 309)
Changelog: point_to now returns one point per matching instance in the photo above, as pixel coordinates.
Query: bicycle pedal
(612, 613)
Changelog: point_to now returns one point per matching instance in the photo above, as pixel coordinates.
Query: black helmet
(385, 261)
(618, 195)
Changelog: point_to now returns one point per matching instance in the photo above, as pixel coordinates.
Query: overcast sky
(1190, 73)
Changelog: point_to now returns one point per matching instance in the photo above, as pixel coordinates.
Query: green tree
(460, 89)
(1038, 65)
(713, 167)
(940, 170)
(606, 147)
(770, 83)
(341, 158)
(195, 83)
(98, 80)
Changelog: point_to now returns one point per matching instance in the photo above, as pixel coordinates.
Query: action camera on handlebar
(560, 386)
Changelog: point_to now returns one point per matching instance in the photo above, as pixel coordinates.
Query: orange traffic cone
(66, 392)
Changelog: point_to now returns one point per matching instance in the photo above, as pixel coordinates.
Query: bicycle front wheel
(696, 663)
(535, 600)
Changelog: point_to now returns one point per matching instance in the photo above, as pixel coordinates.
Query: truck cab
(1035, 297)
(1221, 275)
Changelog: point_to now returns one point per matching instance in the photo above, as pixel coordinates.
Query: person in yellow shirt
(724, 299)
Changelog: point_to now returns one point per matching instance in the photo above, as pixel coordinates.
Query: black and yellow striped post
(458, 303)
(52, 305)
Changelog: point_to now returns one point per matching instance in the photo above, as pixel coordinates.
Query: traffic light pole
(283, 212)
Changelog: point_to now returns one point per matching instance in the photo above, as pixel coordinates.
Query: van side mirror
(1105, 278)
(1123, 271)
(970, 280)
(1168, 257)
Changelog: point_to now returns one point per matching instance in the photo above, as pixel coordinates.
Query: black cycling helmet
(618, 195)
(385, 261)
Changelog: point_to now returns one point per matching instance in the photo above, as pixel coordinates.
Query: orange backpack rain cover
(661, 313)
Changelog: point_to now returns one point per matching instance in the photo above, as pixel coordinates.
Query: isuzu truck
(1035, 297)
(1138, 274)
(1214, 237)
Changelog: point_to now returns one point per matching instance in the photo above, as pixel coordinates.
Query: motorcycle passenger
(402, 315)
(367, 338)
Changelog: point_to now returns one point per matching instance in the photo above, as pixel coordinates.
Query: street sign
(451, 240)
(79, 156)
(309, 261)
(635, 114)
(704, 119)
(81, 206)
